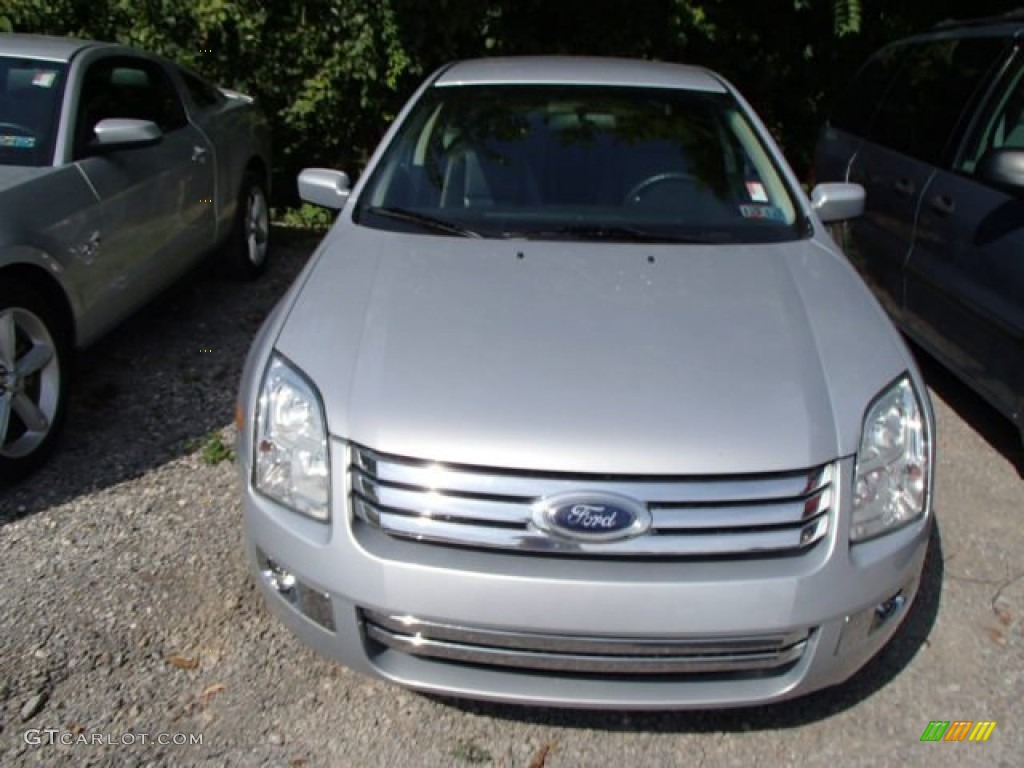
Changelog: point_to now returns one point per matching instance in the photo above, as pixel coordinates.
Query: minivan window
(939, 83)
(851, 112)
(1000, 128)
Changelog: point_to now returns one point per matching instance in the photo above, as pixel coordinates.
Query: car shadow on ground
(997, 430)
(161, 385)
(880, 671)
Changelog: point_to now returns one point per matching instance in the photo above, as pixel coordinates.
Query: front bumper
(835, 601)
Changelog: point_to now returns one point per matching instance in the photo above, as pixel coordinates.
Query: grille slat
(576, 654)
(747, 516)
(493, 509)
(414, 473)
(433, 504)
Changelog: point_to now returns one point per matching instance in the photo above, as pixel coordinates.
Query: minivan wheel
(249, 245)
(33, 379)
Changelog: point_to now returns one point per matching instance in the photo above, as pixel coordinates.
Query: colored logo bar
(958, 730)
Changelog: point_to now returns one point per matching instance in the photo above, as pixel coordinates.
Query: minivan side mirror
(324, 187)
(837, 201)
(1003, 167)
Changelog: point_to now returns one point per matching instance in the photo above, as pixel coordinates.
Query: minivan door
(921, 115)
(965, 277)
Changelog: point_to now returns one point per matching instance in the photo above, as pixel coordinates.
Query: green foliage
(333, 73)
(470, 753)
(847, 17)
(305, 216)
(215, 450)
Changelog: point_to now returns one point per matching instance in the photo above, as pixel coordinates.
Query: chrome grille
(479, 507)
(582, 655)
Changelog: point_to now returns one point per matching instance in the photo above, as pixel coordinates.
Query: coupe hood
(591, 357)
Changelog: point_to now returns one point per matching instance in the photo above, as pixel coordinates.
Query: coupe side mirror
(116, 133)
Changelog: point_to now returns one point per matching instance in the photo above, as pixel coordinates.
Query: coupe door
(155, 212)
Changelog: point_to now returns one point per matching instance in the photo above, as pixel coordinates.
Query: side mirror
(116, 133)
(324, 187)
(1003, 168)
(837, 202)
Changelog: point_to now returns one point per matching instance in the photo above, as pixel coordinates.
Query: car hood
(591, 357)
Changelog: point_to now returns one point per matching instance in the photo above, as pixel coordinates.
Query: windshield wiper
(423, 219)
(615, 233)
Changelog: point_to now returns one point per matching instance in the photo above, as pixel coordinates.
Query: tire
(248, 248)
(34, 372)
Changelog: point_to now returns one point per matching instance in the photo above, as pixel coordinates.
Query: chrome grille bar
(425, 475)
(491, 509)
(565, 653)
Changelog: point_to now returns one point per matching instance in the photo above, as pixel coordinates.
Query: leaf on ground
(298, 762)
(996, 636)
(541, 758)
(76, 729)
(1003, 615)
(181, 662)
(210, 692)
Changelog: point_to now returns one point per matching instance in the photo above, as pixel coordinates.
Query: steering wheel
(22, 129)
(634, 195)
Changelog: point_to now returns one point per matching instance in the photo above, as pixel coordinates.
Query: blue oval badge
(592, 516)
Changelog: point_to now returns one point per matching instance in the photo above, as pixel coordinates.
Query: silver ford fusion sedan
(577, 404)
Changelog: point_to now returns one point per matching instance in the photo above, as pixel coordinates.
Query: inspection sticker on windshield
(762, 212)
(756, 191)
(44, 79)
(18, 142)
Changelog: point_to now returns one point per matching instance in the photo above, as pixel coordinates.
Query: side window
(934, 89)
(853, 110)
(1002, 127)
(129, 88)
(203, 94)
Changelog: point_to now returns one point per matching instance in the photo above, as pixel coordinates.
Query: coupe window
(130, 88)
(580, 163)
(30, 97)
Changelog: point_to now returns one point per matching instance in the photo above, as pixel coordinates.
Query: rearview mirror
(837, 201)
(324, 187)
(116, 133)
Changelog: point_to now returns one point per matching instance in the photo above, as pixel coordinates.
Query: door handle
(943, 205)
(904, 187)
(198, 154)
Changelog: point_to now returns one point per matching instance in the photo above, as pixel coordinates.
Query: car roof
(579, 70)
(1011, 20)
(45, 47)
(1009, 25)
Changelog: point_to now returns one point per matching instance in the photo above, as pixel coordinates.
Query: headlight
(290, 459)
(893, 464)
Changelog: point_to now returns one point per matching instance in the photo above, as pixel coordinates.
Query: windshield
(30, 94)
(580, 162)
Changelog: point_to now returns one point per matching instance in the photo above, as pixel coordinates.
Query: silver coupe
(577, 404)
(118, 172)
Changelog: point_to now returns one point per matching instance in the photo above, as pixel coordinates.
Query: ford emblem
(591, 516)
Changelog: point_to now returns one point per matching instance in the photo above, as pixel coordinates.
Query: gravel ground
(129, 613)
